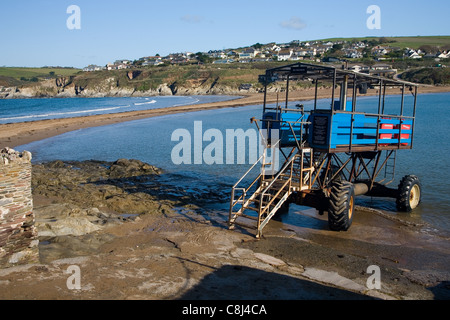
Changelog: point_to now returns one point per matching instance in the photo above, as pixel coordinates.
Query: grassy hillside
(432, 76)
(404, 42)
(21, 76)
(187, 76)
(18, 73)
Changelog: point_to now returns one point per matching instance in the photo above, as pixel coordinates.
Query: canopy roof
(307, 71)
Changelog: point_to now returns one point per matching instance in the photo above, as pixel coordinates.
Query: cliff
(168, 80)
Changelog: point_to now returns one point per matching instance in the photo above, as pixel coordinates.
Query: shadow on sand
(233, 282)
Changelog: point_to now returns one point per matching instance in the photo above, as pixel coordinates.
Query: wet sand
(191, 255)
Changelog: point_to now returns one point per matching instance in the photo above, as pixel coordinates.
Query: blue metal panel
(288, 124)
(290, 129)
(329, 131)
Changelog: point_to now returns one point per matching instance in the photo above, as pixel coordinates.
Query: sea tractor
(331, 153)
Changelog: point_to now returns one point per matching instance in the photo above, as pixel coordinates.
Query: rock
(270, 260)
(129, 168)
(56, 164)
(164, 90)
(133, 74)
(8, 155)
(333, 278)
(76, 226)
(89, 188)
(28, 256)
(26, 155)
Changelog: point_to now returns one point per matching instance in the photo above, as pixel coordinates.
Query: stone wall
(18, 235)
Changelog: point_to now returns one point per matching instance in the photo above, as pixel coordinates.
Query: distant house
(91, 68)
(321, 49)
(119, 65)
(232, 53)
(300, 52)
(312, 52)
(245, 56)
(382, 70)
(122, 62)
(217, 54)
(285, 54)
(444, 55)
(353, 54)
(223, 61)
(380, 51)
(412, 54)
(252, 51)
(275, 48)
(295, 57)
(152, 62)
(248, 53)
(111, 66)
(356, 68)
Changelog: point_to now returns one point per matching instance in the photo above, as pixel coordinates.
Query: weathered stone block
(17, 231)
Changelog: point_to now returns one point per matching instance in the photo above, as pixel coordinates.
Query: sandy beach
(15, 134)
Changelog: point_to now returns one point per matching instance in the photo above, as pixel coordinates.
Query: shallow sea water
(150, 140)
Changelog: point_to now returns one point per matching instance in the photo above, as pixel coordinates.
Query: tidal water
(20, 110)
(152, 140)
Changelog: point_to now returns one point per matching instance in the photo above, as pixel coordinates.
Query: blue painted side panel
(329, 131)
(288, 124)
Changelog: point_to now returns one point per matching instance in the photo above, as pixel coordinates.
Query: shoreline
(20, 133)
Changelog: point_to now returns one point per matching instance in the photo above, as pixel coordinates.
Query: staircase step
(253, 209)
(249, 217)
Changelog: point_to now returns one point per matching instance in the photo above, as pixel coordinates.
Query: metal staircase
(254, 209)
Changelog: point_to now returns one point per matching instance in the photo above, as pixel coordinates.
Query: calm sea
(20, 110)
(150, 140)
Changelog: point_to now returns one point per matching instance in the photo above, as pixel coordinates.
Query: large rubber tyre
(409, 193)
(341, 206)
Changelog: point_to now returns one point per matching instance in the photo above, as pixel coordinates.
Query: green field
(405, 42)
(28, 73)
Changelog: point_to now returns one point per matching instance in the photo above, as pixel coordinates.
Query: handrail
(374, 114)
(248, 171)
(266, 208)
(288, 164)
(280, 172)
(233, 201)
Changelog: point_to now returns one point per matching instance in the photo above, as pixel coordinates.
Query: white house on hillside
(285, 54)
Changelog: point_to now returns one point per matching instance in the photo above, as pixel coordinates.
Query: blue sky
(34, 33)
